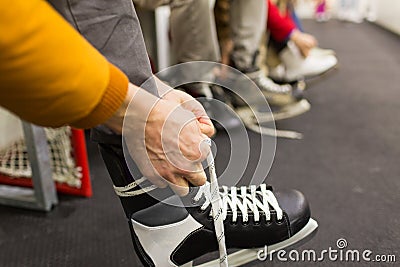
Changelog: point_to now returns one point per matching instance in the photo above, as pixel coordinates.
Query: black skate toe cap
(296, 207)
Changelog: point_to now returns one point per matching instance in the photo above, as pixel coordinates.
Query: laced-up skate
(178, 230)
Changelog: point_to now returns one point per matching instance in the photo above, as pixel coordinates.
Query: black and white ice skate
(176, 231)
(167, 235)
(255, 118)
(277, 94)
(284, 101)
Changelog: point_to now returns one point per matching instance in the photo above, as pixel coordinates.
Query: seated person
(298, 52)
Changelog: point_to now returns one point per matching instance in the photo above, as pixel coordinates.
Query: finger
(206, 127)
(194, 154)
(153, 176)
(195, 107)
(177, 183)
(157, 181)
(204, 149)
(197, 178)
(191, 104)
(190, 147)
(180, 186)
(200, 113)
(303, 52)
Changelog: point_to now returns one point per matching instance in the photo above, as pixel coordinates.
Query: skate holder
(43, 195)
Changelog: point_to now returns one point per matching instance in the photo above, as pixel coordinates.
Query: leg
(248, 21)
(193, 30)
(194, 38)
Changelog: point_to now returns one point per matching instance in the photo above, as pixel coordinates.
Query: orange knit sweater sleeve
(49, 74)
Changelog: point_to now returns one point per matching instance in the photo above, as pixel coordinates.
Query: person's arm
(283, 28)
(304, 41)
(279, 26)
(49, 74)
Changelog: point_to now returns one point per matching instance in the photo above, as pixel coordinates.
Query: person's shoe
(295, 66)
(276, 94)
(167, 233)
(318, 51)
(248, 95)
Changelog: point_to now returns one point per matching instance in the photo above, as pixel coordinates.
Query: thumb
(180, 186)
(206, 126)
(197, 178)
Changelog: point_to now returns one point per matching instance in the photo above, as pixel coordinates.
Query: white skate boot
(294, 66)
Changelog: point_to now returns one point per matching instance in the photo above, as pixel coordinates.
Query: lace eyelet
(194, 202)
(279, 222)
(233, 223)
(268, 222)
(257, 222)
(201, 210)
(245, 223)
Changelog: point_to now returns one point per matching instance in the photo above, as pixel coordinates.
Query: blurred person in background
(298, 52)
(194, 38)
(321, 10)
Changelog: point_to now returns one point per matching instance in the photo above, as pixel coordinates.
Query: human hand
(188, 103)
(305, 42)
(165, 139)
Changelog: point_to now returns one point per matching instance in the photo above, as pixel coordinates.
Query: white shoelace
(247, 202)
(126, 191)
(214, 198)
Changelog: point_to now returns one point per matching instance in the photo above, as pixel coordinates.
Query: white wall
(305, 8)
(10, 128)
(384, 12)
(388, 14)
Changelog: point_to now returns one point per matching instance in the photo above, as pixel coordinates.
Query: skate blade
(273, 132)
(311, 80)
(253, 121)
(248, 255)
(286, 112)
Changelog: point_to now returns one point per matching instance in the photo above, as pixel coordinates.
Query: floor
(347, 164)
